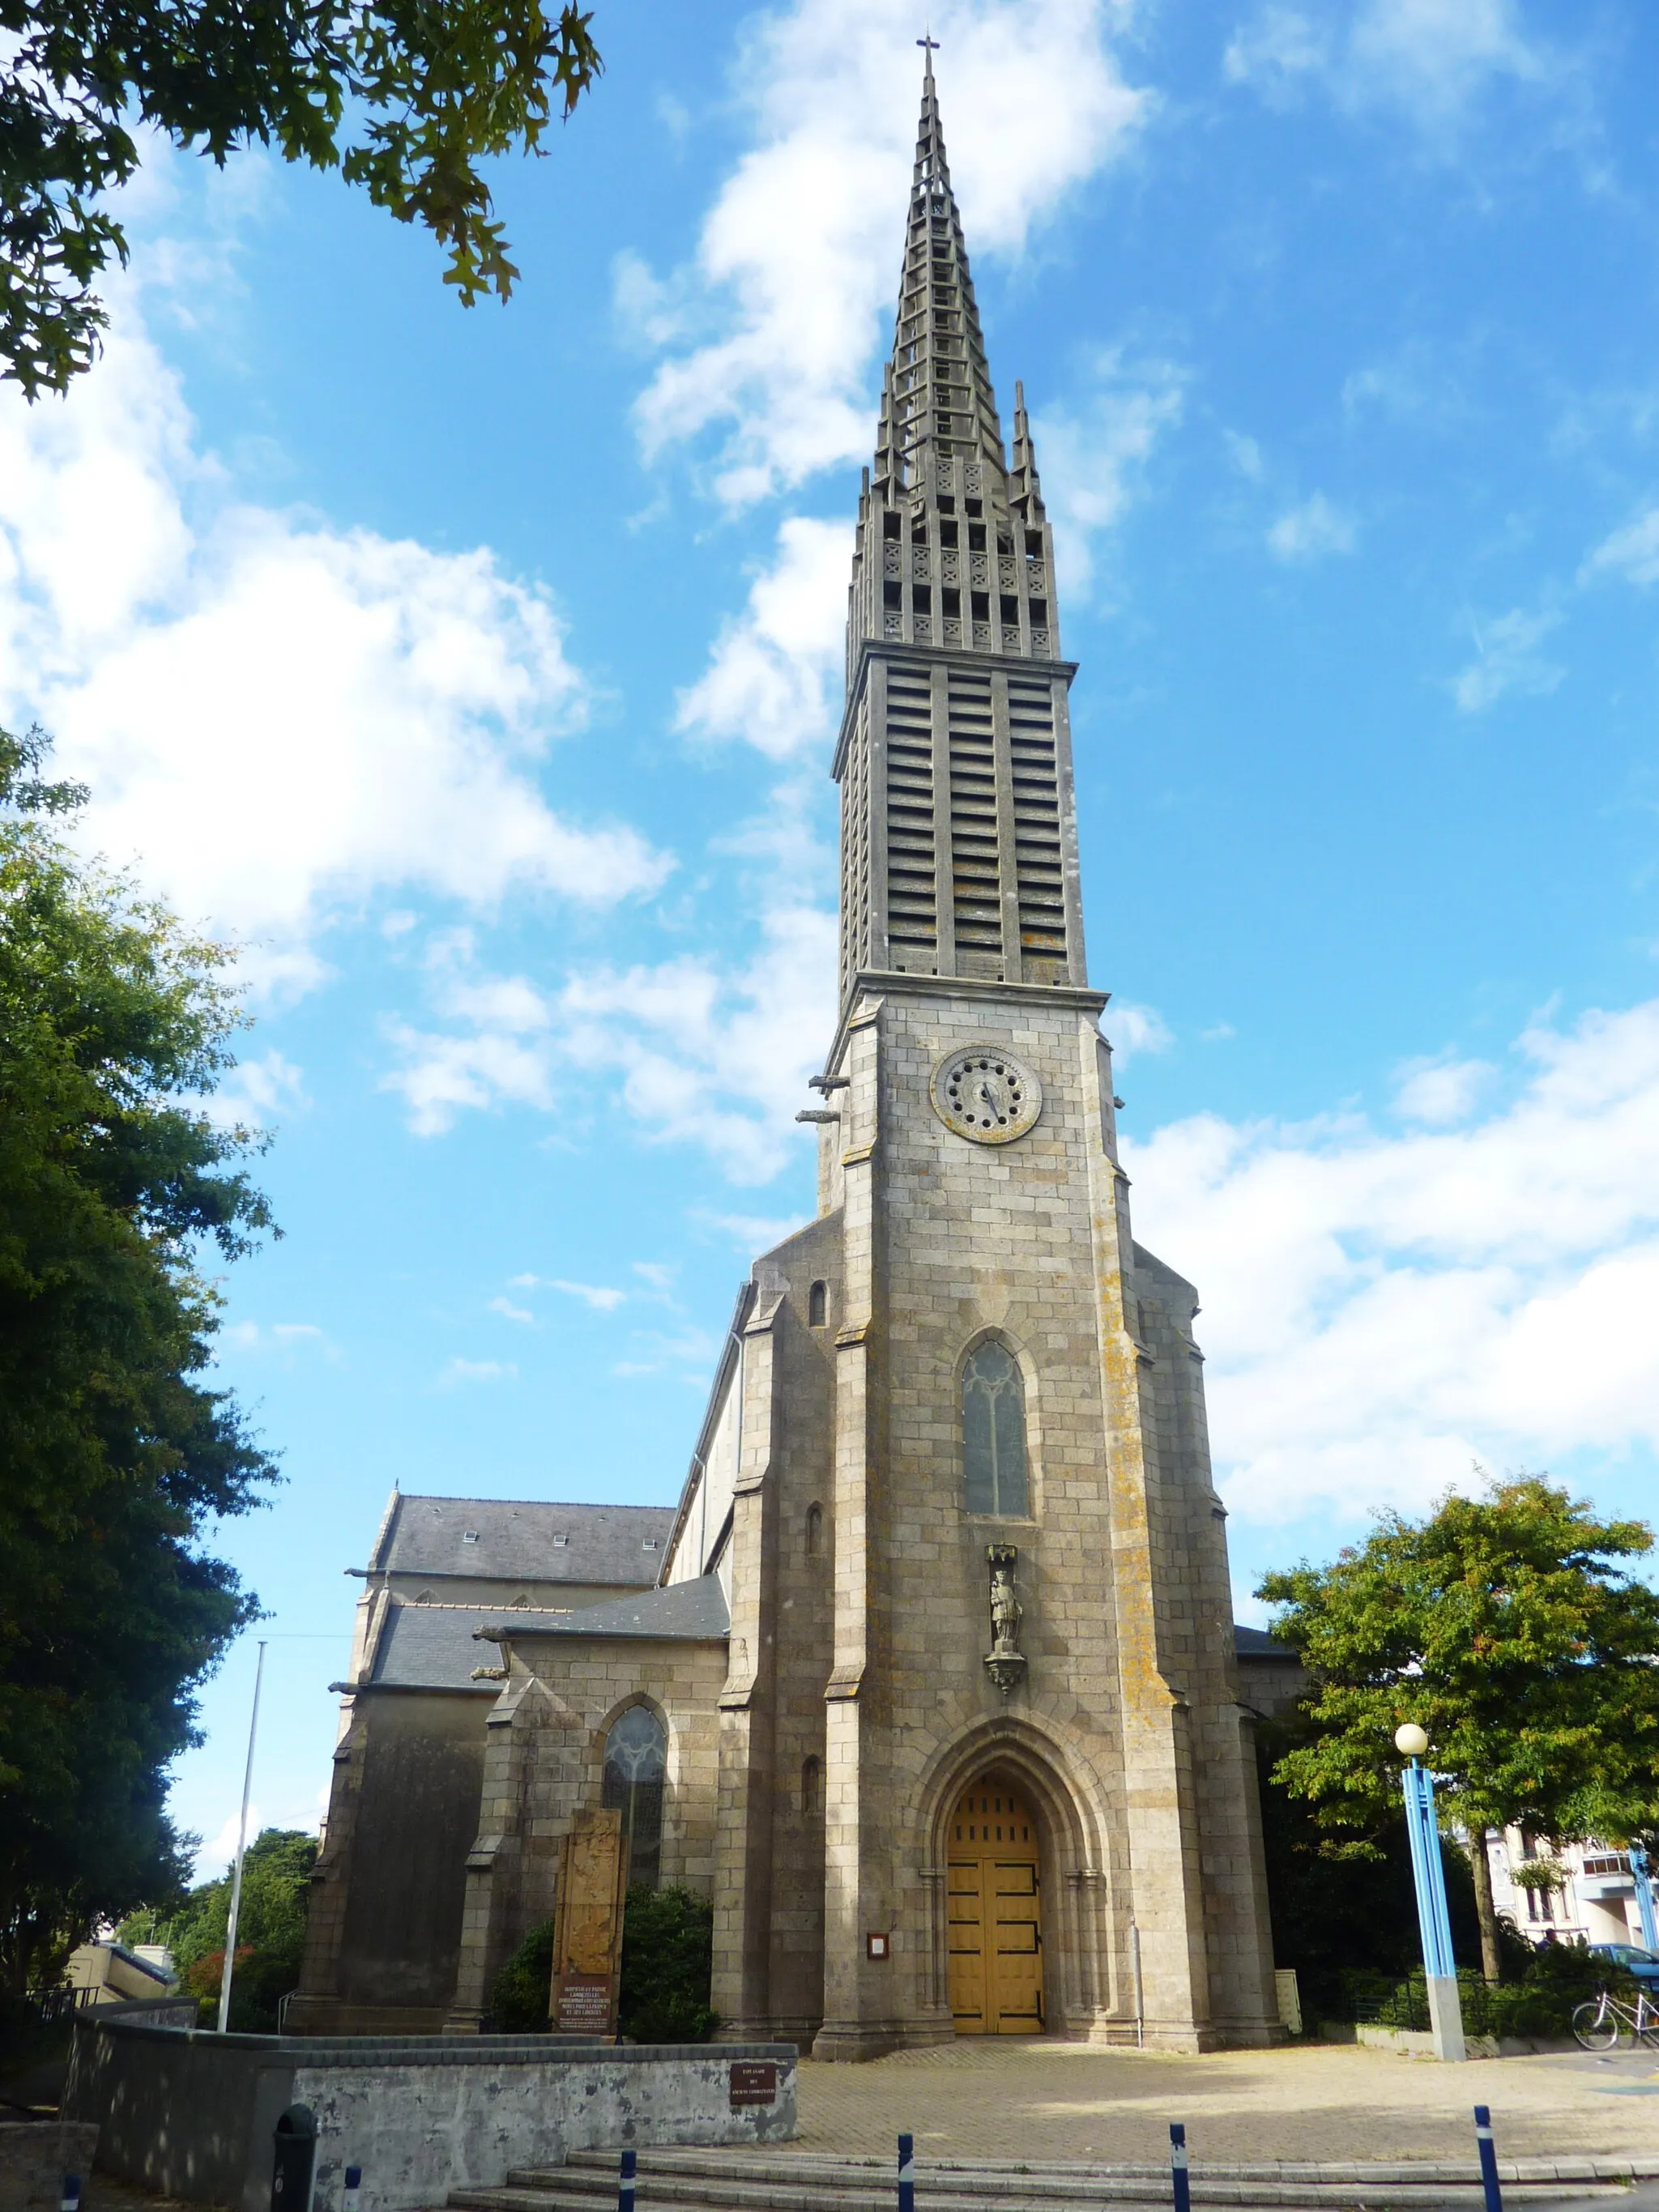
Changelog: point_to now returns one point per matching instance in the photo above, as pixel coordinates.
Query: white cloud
(508, 1311)
(1440, 1091)
(282, 1336)
(1091, 460)
(699, 1054)
(599, 1295)
(1632, 552)
(258, 1089)
(1430, 58)
(751, 1233)
(1506, 659)
(1380, 1310)
(797, 260)
(1137, 1029)
(476, 1370)
(771, 671)
(279, 720)
(1311, 531)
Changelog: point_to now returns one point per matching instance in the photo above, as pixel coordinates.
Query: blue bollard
(906, 2189)
(354, 2182)
(1488, 2159)
(625, 2174)
(70, 2200)
(1183, 2188)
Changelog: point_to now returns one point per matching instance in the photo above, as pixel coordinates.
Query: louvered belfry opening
(959, 837)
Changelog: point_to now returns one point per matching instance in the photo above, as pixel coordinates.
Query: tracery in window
(994, 1432)
(635, 1762)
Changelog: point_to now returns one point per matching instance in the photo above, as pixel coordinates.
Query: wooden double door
(995, 1914)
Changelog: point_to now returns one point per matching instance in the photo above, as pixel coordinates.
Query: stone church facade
(932, 1685)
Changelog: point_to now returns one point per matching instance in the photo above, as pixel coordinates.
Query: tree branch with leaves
(406, 98)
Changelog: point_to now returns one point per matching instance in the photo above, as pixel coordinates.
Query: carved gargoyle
(1004, 1662)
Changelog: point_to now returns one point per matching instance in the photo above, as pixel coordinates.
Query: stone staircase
(773, 2181)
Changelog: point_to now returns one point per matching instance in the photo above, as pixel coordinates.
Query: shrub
(668, 1942)
(522, 1993)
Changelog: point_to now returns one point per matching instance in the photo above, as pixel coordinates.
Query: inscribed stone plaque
(589, 1924)
(754, 2081)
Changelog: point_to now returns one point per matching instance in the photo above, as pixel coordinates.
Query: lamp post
(1639, 1867)
(1445, 2014)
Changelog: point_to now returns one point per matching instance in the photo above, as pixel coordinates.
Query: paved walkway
(1004, 2097)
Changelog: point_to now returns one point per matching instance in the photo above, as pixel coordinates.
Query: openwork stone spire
(938, 406)
(958, 836)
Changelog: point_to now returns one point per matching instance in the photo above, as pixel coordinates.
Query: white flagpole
(241, 1847)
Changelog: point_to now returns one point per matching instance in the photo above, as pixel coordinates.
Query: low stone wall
(192, 2114)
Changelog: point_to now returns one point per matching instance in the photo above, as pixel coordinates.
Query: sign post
(1639, 1867)
(1445, 2013)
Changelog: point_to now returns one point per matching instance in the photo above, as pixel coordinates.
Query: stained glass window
(994, 1432)
(635, 1761)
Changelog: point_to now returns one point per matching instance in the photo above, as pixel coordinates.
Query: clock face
(986, 1094)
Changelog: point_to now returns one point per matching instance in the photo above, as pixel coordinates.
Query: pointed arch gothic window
(994, 1432)
(635, 1763)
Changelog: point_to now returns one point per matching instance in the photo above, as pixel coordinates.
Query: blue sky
(478, 672)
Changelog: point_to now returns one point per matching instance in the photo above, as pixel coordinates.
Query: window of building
(635, 1763)
(812, 1790)
(994, 1432)
(817, 1305)
(814, 1530)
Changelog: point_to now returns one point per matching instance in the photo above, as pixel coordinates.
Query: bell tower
(958, 826)
(1029, 1600)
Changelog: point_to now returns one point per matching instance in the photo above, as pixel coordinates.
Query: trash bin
(294, 2164)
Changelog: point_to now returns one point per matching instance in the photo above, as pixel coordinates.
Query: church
(930, 1682)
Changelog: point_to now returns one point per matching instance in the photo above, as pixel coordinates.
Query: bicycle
(1598, 2025)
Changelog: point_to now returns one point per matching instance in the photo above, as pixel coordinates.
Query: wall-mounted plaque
(753, 2081)
(587, 1926)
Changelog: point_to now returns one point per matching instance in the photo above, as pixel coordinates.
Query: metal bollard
(1183, 2188)
(907, 2174)
(1488, 2151)
(625, 2174)
(354, 2182)
(69, 2200)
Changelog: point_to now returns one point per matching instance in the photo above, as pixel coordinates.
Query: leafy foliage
(668, 1951)
(1510, 1629)
(113, 1022)
(271, 1929)
(1335, 1916)
(432, 87)
(1549, 1982)
(522, 1993)
(668, 1943)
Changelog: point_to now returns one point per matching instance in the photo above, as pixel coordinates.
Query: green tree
(1508, 1627)
(271, 1929)
(113, 1023)
(405, 99)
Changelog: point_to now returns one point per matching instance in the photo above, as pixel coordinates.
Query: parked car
(1633, 1959)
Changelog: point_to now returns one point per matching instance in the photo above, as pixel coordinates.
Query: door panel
(994, 1915)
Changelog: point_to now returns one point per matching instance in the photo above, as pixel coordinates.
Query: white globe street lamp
(1429, 1876)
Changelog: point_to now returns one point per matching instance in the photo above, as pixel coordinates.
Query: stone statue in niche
(1004, 1662)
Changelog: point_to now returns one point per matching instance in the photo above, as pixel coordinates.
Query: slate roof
(436, 1647)
(431, 1647)
(516, 1538)
(1256, 1643)
(691, 1611)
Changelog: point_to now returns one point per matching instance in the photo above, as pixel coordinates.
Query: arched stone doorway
(994, 1900)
